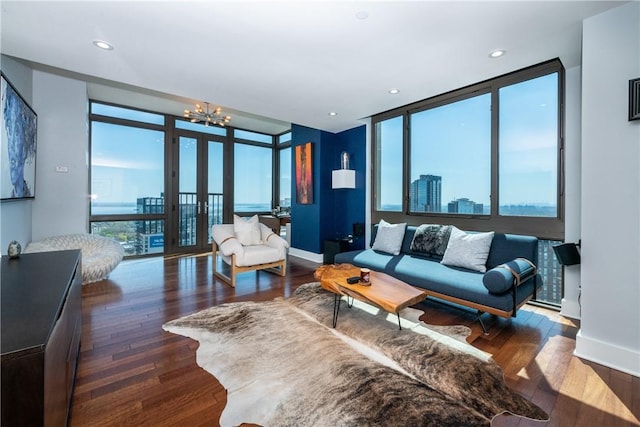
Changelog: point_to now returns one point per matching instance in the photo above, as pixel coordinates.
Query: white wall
(15, 216)
(61, 203)
(572, 198)
(609, 332)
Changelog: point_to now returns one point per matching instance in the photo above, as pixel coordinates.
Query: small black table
(331, 247)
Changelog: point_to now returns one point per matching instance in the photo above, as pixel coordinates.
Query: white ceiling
(289, 61)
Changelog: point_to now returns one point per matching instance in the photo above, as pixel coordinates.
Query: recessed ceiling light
(363, 14)
(333, 113)
(497, 53)
(394, 91)
(102, 45)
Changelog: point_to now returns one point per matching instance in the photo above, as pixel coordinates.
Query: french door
(198, 203)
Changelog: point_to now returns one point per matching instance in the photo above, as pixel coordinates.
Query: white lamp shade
(343, 178)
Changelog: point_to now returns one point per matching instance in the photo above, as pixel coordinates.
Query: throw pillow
(468, 250)
(431, 239)
(389, 237)
(247, 231)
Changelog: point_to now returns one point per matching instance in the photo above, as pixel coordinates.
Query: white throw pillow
(389, 237)
(468, 250)
(247, 230)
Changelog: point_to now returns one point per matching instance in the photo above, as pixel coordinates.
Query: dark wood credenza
(41, 318)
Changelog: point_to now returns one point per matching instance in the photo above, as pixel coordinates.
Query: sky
(128, 163)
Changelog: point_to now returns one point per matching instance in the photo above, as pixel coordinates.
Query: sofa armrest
(270, 238)
(503, 277)
(226, 240)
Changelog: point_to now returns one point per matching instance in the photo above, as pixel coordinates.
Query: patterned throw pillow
(431, 239)
(247, 231)
(468, 250)
(389, 237)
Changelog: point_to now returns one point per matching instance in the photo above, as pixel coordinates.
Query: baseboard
(607, 354)
(309, 256)
(570, 309)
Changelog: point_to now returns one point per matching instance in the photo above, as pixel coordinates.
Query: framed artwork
(304, 174)
(634, 99)
(18, 127)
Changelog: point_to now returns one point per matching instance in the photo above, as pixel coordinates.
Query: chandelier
(213, 117)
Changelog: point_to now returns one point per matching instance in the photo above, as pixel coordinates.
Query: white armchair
(270, 254)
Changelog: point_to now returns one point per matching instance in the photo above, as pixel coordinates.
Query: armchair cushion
(247, 230)
(226, 240)
(270, 238)
(258, 254)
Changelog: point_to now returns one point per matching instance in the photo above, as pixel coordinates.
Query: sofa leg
(484, 327)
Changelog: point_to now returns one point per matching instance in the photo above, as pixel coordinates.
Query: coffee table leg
(336, 308)
(399, 327)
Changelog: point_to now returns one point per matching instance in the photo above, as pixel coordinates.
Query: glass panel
(285, 178)
(214, 186)
(389, 154)
(199, 127)
(285, 137)
(126, 113)
(136, 237)
(252, 178)
(253, 136)
(529, 148)
(187, 189)
(450, 150)
(551, 272)
(127, 164)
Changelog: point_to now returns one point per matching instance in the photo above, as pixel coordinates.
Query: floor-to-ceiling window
(127, 177)
(253, 172)
(484, 157)
(158, 183)
(284, 171)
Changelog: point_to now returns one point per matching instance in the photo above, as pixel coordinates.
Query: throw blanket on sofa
(282, 364)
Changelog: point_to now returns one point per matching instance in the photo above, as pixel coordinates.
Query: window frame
(551, 228)
(170, 137)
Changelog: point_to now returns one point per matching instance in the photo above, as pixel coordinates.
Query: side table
(331, 247)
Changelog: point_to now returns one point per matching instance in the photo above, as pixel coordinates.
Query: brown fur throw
(283, 365)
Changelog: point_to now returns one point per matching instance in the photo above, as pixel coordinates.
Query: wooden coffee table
(383, 291)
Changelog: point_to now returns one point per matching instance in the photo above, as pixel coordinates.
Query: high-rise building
(465, 206)
(426, 194)
(150, 233)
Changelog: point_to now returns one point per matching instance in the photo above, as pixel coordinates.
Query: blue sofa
(512, 279)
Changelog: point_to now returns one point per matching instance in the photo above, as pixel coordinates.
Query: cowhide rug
(283, 365)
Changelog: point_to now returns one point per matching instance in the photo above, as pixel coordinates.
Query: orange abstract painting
(304, 174)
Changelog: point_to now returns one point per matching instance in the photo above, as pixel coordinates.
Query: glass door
(199, 198)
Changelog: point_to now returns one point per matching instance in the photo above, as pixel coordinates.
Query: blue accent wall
(350, 204)
(333, 212)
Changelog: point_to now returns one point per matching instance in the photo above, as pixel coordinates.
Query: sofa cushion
(468, 250)
(500, 279)
(377, 261)
(389, 237)
(505, 247)
(431, 239)
(463, 284)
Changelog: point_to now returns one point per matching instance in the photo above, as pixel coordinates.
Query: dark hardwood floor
(132, 373)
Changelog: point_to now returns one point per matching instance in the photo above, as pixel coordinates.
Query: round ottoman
(100, 255)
